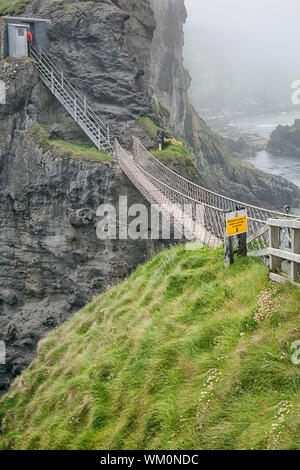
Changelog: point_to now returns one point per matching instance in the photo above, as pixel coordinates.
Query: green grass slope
(182, 355)
(41, 134)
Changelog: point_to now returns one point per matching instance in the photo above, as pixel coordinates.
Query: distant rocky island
(285, 140)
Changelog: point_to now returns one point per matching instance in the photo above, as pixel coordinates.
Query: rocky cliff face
(169, 80)
(51, 261)
(104, 49)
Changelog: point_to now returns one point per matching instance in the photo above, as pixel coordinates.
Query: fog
(242, 53)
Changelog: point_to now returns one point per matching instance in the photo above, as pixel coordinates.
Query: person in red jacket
(29, 41)
(29, 37)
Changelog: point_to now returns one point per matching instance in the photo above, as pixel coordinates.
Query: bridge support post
(228, 251)
(242, 244)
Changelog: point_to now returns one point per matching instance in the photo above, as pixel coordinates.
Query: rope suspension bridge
(199, 211)
(204, 219)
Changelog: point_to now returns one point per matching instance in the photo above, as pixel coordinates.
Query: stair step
(64, 93)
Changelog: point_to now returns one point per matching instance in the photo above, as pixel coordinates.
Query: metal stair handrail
(46, 57)
(40, 53)
(74, 103)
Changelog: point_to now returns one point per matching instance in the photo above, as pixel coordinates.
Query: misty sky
(242, 50)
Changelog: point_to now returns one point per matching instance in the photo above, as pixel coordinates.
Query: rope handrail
(210, 191)
(182, 194)
(172, 189)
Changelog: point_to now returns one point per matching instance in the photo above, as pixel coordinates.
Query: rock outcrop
(232, 177)
(285, 140)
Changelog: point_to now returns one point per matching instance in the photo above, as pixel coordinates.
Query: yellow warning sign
(236, 222)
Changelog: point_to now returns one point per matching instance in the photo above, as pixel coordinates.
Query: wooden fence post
(275, 262)
(295, 267)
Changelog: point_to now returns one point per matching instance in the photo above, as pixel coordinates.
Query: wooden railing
(283, 250)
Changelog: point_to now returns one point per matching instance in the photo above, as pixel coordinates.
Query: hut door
(17, 40)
